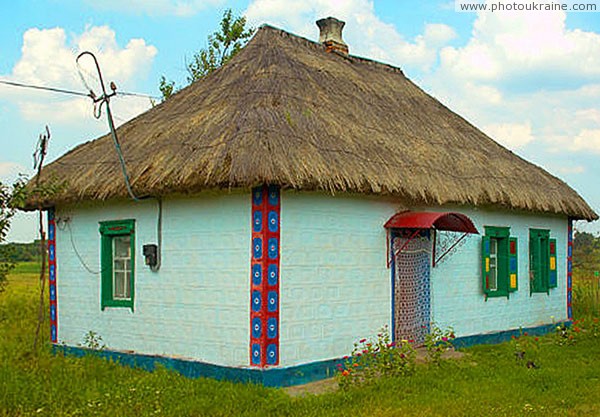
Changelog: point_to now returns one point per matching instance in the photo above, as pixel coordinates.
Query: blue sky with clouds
(531, 80)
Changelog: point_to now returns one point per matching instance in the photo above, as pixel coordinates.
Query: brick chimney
(331, 35)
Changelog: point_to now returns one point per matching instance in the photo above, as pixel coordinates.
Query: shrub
(437, 342)
(565, 335)
(92, 340)
(372, 359)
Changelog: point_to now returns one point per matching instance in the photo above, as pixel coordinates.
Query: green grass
(26, 268)
(586, 296)
(486, 382)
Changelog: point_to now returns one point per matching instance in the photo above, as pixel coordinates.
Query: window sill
(117, 304)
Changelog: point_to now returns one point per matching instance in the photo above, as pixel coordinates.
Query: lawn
(487, 381)
(27, 268)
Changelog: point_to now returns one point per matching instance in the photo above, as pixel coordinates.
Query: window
(117, 254)
(499, 262)
(542, 261)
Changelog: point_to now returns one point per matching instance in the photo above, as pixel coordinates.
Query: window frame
(108, 231)
(542, 271)
(502, 237)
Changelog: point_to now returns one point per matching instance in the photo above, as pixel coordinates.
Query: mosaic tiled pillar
(570, 270)
(52, 276)
(264, 293)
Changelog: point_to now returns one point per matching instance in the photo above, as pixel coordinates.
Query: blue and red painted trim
(264, 280)
(273, 377)
(52, 276)
(570, 270)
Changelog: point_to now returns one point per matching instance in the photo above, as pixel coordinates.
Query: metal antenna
(41, 150)
(98, 102)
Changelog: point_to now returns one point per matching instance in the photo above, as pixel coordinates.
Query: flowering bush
(437, 342)
(371, 359)
(586, 327)
(565, 335)
(526, 349)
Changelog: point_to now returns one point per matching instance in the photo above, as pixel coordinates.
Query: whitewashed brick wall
(196, 306)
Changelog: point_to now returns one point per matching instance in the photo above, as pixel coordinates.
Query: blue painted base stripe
(504, 336)
(271, 377)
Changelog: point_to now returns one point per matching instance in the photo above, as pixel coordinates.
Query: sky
(529, 79)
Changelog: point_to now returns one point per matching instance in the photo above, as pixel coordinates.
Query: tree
(586, 254)
(10, 198)
(223, 45)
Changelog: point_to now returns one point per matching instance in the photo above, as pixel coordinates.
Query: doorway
(411, 258)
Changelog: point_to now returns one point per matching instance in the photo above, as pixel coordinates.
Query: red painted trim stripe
(52, 274)
(264, 277)
(570, 270)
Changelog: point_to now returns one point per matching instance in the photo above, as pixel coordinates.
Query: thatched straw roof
(284, 111)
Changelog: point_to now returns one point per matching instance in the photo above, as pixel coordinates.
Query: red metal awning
(454, 222)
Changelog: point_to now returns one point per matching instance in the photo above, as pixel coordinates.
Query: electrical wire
(79, 257)
(156, 267)
(40, 87)
(72, 92)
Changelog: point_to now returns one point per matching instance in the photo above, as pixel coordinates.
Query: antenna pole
(38, 161)
(105, 99)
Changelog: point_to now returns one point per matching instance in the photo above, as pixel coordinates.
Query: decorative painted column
(52, 276)
(570, 270)
(264, 292)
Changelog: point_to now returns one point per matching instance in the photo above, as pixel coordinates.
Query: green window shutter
(539, 260)
(108, 231)
(106, 270)
(535, 272)
(498, 237)
(553, 276)
(485, 263)
(513, 265)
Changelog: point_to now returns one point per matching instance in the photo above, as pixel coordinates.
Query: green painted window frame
(500, 235)
(108, 231)
(542, 261)
(506, 261)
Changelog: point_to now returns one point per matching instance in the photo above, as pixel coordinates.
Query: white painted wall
(336, 287)
(196, 306)
(335, 284)
(457, 298)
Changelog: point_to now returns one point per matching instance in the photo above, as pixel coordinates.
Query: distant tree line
(586, 255)
(20, 252)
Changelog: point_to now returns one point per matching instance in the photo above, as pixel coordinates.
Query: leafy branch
(223, 45)
(10, 198)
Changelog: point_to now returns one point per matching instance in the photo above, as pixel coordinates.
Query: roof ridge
(315, 45)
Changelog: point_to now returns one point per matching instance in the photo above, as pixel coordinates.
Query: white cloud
(48, 58)
(587, 140)
(508, 45)
(527, 80)
(577, 169)
(591, 115)
(9, 171)
(365, 33)
(183, 8)
(511, 135)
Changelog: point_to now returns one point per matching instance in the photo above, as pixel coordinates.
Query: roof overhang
(453, 222)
